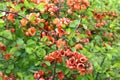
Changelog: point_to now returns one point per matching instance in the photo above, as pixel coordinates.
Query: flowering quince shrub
(59, 40)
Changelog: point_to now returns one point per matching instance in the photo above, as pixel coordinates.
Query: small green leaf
(41, 52)
(1, 21)
(37, 63)
(28, 50)
(31, 43)
(20, 42)
(17, 53)
(32, 18)
(74, 24)
(2, 14)
(20, 74)
(68, 30)
(8, 71)
(26, 3)
(11, 66)
(41, 7)
(48, 63)
(84, 26)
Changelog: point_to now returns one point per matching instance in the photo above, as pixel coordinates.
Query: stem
(5, 38)
(58, 12)
(13, 13)
(102, 62)
(54, 70)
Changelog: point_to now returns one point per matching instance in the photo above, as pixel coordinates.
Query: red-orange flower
(81, 67)
(12, 30)
(38, 74)
(32, 31)
(54, 56)
(60, 43)
(1, 74)
(2, 47)
(71, 63)
(39, 1)
(24, 22)
(69, 53)
(83, 59)
(11, 17)
(78, 46)
(60, 74)
(7, 56)
(5, 77)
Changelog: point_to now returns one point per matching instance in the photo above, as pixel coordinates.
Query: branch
(55, 63)
(54, 71)
(97, 74)
(5, 38)
(13, 13)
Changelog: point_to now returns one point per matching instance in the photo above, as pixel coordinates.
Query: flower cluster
(75, 60)
(51, 8)
(60, 23)
(50, 40)
(57, 1)
(56, 55)
(79, 62)
(78, 4)
(41, 75)
(99, 16)
(11, 16)
(61, 43)
(39, 1)
(34, 16)
(5, 77)
(100, 24)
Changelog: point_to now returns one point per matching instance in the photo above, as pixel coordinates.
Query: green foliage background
(31, 51)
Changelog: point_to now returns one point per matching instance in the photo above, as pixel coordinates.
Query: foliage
(59, 40)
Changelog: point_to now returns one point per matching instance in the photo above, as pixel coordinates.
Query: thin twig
(55, 63)
(54, 71)
(5, 38)
(13, 13)
(97, 74)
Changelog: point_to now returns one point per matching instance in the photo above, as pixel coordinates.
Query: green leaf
(74, 24)
(17, 53)
(8, 71)
(32, 18)
(20, 74)
(11, 66)
(84, 26)
(10, 4)
(2, 14)
(41, 52)
(31, 43)
(1, 21)
(41, 7)
(45, 16)
(48, 63)
(0, 78)
(116, 65)
(26, 3)
(6, 33)
(28, 50)
(13, 49)
(20, 42)
(68, 30)
(37, 63)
